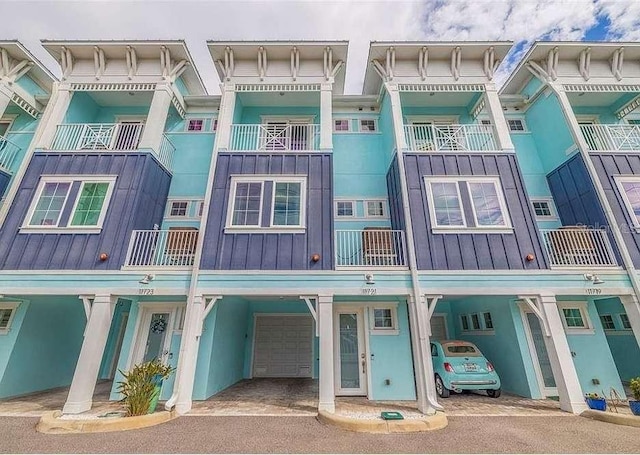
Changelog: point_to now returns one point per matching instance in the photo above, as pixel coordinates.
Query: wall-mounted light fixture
(147, 278)
(369, 278)
(595, 279)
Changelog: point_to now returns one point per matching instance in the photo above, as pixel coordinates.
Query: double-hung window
(575, 317)
(283, 196)
(629, 188)
(67, 203)
(487, 206)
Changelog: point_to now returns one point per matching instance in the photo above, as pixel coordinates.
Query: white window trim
(170, 203)
(375, 123)
(432, 209)
(615, 328)
(10, 119)
(204, 125)
(522, 120)
(68, 229)
(214, 124)
(622, 327)
(584, 312)
(303, 199)
(13, 306)
(194, 203)
(384, 209)
(394, 329)
(619, 180)
(501, 200)
(348, 120)
(345, 217)
(552, 209)
(262, 179)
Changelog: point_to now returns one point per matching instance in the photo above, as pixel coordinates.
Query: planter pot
(599, 404)
(635, 407)
(157, 381)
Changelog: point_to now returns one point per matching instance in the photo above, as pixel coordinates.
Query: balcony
(281, 138)
(108, 136)
(448, 138)
(576, 246)
(8, 153)
(612, 137)
(370, 247)
(172, 248)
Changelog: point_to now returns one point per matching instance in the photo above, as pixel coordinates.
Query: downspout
(423, 338)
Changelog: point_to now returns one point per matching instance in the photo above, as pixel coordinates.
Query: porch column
(158, 111)
(5, 98)
(325, 324)
(632, 309)
(564, 370)
(494, 107)
(225, 116)
(396, 112)
(95, 338)
(54, 115)
(326, 122)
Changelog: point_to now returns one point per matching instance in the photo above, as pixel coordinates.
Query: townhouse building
(284, 229)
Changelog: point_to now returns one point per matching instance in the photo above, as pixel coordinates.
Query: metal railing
(370, 247)
(472, 137)
(166, 152)
(8, 153)
(275, 137)
(578, 247)
(611, 137)
(167, 248)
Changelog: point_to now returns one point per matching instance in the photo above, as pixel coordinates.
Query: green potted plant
(635, 391)
(141, 387)
(595, 401)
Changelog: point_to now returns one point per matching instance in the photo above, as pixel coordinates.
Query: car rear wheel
(442, 391)
(494, 393)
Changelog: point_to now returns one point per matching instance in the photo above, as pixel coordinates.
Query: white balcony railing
(275, 137)
(168, 248)
(612, 137)
(370, 247)
(578, 247)
(108, 136)
(8, 153)
(447, 138)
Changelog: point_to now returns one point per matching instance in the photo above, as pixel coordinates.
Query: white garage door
(282, 346)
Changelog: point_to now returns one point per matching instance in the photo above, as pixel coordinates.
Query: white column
(564, 370)
(632, 309)
(325, 324)
(157, 117)
(396, 112)
(95, 338)
(326, 122)
(572, 122)
(187, 361)
(53, 116)
(5, 97)
(494, 108)
(225, 116)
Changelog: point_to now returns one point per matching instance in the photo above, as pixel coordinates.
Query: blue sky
(520, 21)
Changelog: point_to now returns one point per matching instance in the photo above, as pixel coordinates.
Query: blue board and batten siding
(5, 178)
(264, 250)
(472, 251)
(137, 202)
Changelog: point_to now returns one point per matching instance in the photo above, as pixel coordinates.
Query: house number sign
(593, 291)
(145, 291)
(369, 291)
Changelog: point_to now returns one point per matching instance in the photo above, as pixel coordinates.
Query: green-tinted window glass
(573, 317)
(90, 204)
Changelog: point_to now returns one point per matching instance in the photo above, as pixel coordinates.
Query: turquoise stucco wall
(385, 124)
(48, 336)
(121, 310)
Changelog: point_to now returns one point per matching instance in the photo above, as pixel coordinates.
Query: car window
(434, 350)
(461, 350)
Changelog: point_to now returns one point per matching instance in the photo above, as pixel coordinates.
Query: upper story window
(179, 208)
(629, 188)
(607, 322)
(375, 209)
(5, 125)
(488, 206)
(214, 125)
(342, 125)
(384, 320)
(184, 208)
(516, 125)
(249, 196)
(345, 209)
(544, 209)
(575, 317)
(368, 125)
(88, 203)
(7, 314)
(195, 125)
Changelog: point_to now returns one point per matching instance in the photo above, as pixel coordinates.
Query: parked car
(459, 365)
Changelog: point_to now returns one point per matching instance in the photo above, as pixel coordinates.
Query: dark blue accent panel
(137, 202)
(5, 178)
(394, 190)
(473, 251)
(265, 250)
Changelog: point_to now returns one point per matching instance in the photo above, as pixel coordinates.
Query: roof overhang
(38, 72)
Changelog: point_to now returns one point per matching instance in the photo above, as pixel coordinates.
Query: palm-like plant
(140, 386)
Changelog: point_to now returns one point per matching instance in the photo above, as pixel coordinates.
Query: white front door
(350, 353)
(539, 354)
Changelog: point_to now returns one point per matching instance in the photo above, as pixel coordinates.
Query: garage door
(282, 346)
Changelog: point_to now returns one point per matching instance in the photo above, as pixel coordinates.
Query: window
(384, 320)
(487, 203)
(626, 324)
(7, 313)
(195, 125)
(50, 203)
(629, 188)
(368, 126)
(516, 125)
(4, 127)
(344, 209)
(375, 209)
(543, 209)
(607, 322)
(88, 210)
(446, 204)
(488, 322)
(434, 350)
(247, 200)
(200, 208)
(485, 122)
(573, 317)
(464, 322)
(214, 125)
(179, 209)
(475, 321)
(341, 125)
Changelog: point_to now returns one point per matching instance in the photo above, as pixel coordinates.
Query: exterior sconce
(147, 278)
(530, 257)
(315, 257)
(369, 278)
(103, 257)
(595, 279)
